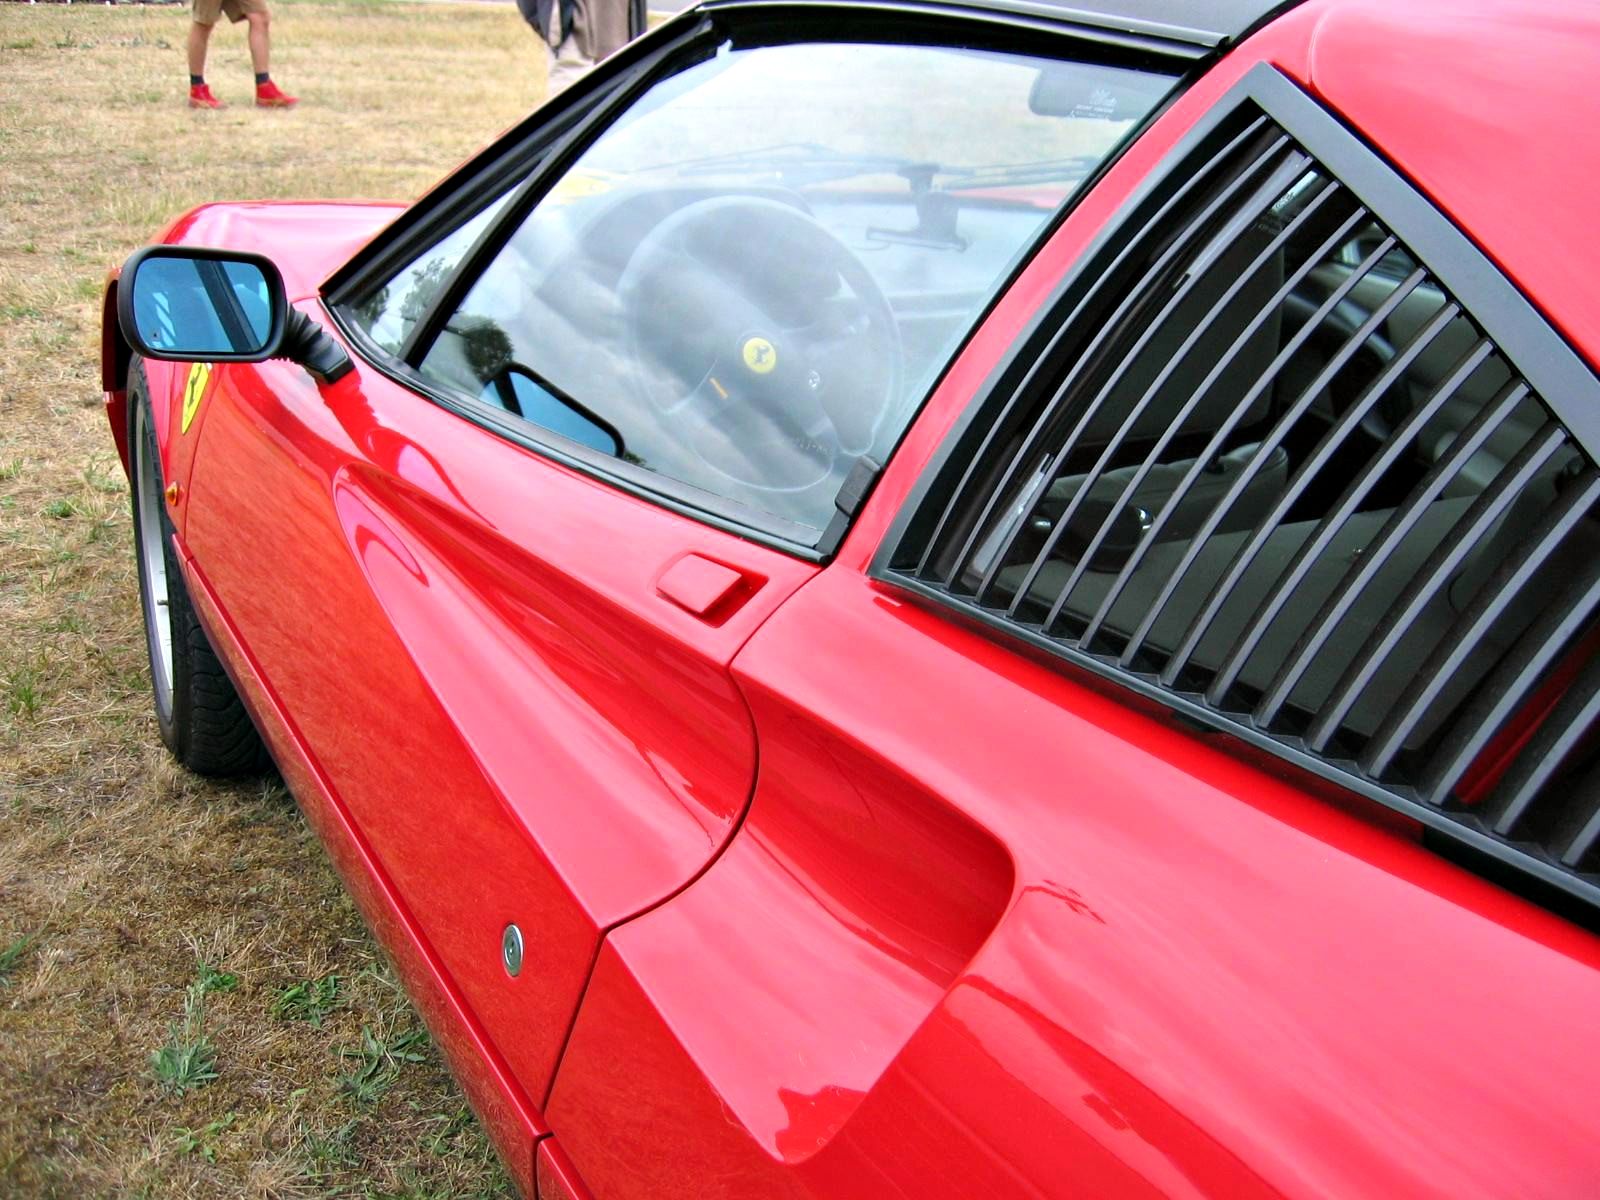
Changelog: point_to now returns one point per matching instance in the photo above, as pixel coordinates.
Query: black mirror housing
(198, 304)
(191, 303)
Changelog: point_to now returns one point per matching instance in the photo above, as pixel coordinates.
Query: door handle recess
(710, 590)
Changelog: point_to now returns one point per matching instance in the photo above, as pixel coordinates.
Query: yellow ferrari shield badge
(193, 391)
(760, 355)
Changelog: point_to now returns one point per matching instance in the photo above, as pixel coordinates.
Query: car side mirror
(194, 304)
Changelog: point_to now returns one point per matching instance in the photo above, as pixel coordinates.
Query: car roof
(1487, 107)
(1202, 24)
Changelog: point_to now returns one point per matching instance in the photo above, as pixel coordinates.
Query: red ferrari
(980, 599)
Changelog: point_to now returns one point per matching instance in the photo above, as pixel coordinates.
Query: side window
(388, 314)
(1269, 466)
(713, 295)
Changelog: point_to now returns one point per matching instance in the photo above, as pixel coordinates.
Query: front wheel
(201, 718)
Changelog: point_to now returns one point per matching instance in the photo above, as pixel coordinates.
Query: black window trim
(546, 152)
(1216, 22)
(1530, 342)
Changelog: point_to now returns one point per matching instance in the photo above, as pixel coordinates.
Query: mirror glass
(519, 393)
(199, 307)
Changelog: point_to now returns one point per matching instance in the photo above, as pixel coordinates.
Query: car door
(510, 674)
(1059, 881)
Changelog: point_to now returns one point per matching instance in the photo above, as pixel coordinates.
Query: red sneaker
(269, 95)
(200, 97)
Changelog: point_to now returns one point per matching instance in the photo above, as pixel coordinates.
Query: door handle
(708, 589)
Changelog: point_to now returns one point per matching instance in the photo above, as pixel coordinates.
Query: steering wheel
(762, 338)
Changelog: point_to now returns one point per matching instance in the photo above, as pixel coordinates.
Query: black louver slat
(1230, 422)
(1267, 462)
(1488, 609)
(1503, 693)
(1445, 560)
(1251, 329)
(1523, 787)
(1295, 165)
(1192, 186)
(1019, 523)
(1311, 470)
(1328, 528)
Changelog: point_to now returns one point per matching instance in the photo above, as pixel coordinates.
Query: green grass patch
(188, 1060)
(203, 1140)
(23, 687)
(11, 957)
(310, 1000)
(378, 1063)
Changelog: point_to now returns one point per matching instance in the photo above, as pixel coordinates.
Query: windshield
(756, 274)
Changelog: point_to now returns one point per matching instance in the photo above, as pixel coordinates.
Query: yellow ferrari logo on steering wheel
(760, 355)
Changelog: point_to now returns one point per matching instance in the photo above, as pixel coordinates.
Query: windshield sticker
(193, 391)
(1101, 105)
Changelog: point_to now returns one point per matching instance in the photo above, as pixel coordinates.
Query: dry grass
(129, 893)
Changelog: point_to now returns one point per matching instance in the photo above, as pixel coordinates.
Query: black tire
(201, 718)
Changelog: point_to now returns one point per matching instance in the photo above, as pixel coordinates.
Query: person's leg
(268, 94)
(199, 40)
(260, 39)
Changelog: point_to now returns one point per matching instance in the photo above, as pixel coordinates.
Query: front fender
(306, 239)
(166, 382)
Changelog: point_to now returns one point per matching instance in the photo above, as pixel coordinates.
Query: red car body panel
(306, 239)
(825, 893)
(1015, 938)
(1495, 122)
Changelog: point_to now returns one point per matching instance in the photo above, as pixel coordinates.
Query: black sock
(197, 81)
(261, 78)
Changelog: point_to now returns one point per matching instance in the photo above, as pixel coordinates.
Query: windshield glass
(756, 274)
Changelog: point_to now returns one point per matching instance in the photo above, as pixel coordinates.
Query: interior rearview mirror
(186, 303)
(1090, 91)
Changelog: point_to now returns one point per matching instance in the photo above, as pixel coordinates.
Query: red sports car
(969, 599)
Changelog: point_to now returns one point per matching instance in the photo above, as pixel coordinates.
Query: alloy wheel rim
(152, 555)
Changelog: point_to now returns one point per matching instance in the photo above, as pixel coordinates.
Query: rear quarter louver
(1291, 457)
